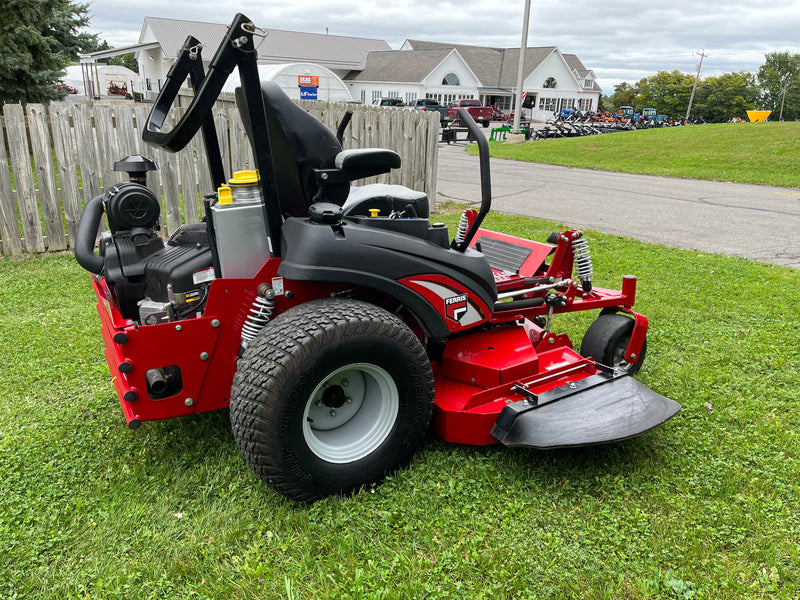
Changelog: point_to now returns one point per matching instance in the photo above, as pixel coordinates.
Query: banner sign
(308, 81)
(308, 93)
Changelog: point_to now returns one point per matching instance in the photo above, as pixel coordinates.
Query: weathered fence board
(9, 224)
(70, 153)
(23, 178)
(87, 152)
(63, 142)
(46, 177)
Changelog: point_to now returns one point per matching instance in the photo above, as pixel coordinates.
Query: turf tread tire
(274, 364)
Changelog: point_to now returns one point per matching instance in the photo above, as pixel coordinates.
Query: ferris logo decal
(455, 307)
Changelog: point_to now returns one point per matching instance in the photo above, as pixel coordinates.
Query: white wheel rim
(350, 413)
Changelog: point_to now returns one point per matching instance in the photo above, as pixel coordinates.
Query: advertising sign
(308, 93)
(308, 81)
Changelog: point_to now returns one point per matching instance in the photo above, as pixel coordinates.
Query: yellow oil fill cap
(374, 212)
(244, 178)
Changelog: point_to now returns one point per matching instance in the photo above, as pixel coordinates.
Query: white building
(449, 72)
(371, 70)
(161, 39)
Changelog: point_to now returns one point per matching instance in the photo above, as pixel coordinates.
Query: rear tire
(332, 395)
(607, 339)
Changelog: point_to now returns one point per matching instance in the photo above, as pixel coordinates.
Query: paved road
(756, 222)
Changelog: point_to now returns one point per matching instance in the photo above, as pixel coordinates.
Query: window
(588, 83)
(393, 94)
(585, 104)
(376, 94)
(363, 96)
(451, 79)
(410, 97)
(550, 83)
(548, 104)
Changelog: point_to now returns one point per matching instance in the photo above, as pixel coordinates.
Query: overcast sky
(619, 40)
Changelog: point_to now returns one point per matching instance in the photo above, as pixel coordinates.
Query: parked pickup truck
(430, 104)
(481, 114)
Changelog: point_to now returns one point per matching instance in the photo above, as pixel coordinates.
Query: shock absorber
(463, 227)
(259, 314)
(583, 261)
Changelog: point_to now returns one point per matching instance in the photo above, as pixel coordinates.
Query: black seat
(303, 147)
(300, 144)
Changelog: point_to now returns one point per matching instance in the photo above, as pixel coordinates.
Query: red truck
(481, 114)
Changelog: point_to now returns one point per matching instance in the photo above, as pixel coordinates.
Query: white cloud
(620, 40)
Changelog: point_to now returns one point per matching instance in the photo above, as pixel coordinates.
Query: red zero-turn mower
(337, 322)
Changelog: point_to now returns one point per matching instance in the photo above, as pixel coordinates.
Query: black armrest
(358, 164)
(367, 158)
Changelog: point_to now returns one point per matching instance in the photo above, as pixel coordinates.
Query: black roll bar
(237, 49)
(486, 181)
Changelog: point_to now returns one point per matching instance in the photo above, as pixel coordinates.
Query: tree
(666, 91)
(777, 77)
(624, 95)
(38, 38)
(718, 99)
(125, 60)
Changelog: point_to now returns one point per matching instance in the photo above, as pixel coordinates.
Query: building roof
(493, 66)
(497, 67)
(278, 47)
(399, 65)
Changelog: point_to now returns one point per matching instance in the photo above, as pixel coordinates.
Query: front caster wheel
(331, 396)
(607, 339)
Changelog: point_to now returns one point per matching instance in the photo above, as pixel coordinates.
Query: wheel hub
(350, 413)
(334, 396)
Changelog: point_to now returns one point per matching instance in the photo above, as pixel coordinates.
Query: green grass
(760, 153)
(704, 507)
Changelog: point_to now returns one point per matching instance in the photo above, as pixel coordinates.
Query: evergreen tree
(38, 38)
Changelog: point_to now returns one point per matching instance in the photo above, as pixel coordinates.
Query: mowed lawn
(760, 153)
(707, 506)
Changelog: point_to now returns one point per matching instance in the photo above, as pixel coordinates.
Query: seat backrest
(299, 143)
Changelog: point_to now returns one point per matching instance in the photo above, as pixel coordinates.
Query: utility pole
(783, 99)
(696, 79)
(523, 48)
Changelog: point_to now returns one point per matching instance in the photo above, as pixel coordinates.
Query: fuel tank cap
(325, 213)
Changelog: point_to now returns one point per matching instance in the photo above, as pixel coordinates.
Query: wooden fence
(59, 157)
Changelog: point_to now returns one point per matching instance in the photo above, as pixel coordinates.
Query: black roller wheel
(332, 395)
(607, 339)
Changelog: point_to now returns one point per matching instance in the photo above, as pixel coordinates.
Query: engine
(152, 281)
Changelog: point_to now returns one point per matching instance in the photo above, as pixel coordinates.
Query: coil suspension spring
(583, 262)
(259, 314)
(463, 226)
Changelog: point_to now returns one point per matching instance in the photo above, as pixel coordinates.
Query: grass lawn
(707, 506)
(761, 153)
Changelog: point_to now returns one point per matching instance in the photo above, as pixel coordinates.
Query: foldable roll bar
(237, 49)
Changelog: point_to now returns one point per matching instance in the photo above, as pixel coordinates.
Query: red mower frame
(461, 331)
